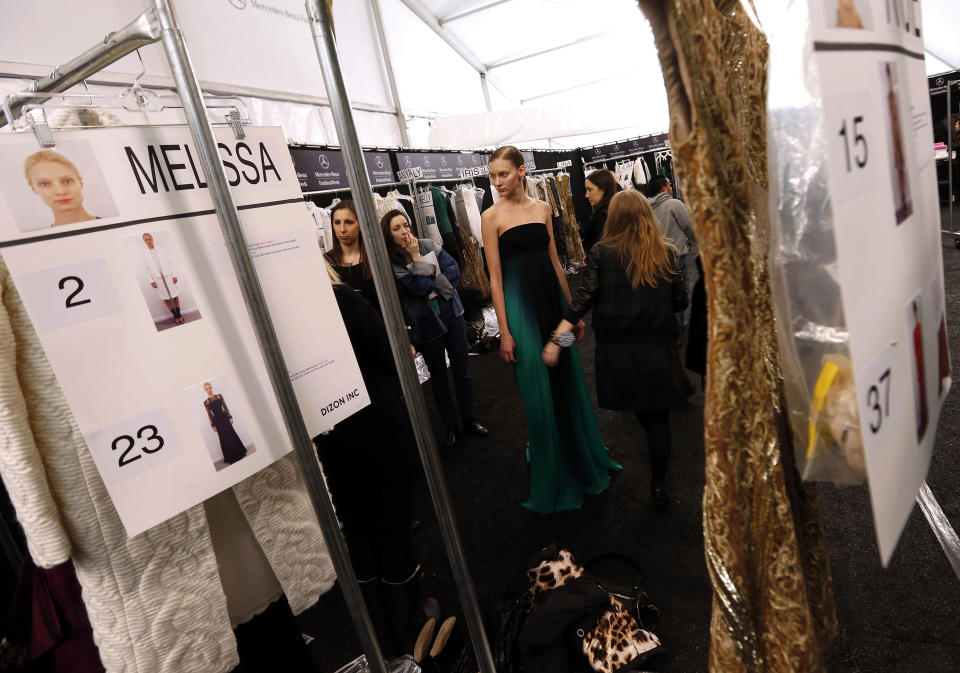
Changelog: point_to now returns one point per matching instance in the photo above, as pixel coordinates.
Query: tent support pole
(387, 63)
(321, 25)
(188, 87)
(486, 91)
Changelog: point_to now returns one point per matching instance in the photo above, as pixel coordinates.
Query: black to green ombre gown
(566, 454)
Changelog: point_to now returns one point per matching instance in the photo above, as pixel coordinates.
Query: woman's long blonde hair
(632, 231)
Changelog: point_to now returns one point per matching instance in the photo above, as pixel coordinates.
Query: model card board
(114, 246)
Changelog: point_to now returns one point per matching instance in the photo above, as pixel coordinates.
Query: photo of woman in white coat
(163, 278)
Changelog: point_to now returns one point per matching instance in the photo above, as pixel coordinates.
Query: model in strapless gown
(566, 454)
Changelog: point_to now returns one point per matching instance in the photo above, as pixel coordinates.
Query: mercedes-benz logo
(426, 162)
(239, 4)
(939, 81)
(324, 162)
(378, 161)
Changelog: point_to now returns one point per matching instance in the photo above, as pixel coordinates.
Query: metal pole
(202, 132)
(321, 25)
(950, 134)
(143, 30)
(486, 92)
(388, 66)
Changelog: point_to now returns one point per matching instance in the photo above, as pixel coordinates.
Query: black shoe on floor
(450, 440)
(477, 429)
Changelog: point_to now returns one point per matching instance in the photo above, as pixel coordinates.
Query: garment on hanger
(321, 216)
(571, 230)
(641, 175)
(472, 275)
(428, 217)
(446, 221)
(624, 174)
(545, 194)
(468, 212)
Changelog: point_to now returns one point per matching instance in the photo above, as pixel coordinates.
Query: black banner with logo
(319, 169)
(620, 148)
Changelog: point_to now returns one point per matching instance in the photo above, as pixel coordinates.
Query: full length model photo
(154, 256)
(217, 408)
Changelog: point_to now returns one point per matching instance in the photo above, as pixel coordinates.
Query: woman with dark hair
(348, 256)
(601, 185)
(529, 290)
(633, 283)
(427, 279)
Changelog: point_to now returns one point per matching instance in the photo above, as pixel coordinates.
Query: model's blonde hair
(46, 155)
(632, 230)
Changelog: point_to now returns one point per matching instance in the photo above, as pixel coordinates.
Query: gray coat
(675, 223)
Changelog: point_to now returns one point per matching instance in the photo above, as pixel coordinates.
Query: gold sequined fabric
(472, 276)
(571, 231)
(773, 605)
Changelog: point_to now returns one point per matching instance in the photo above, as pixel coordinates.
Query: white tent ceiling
(568, 70)
(574, 67)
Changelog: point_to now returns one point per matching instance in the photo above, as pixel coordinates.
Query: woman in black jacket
(634, 286)
(600, 185)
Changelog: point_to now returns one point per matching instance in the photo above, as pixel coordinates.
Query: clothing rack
(546, 170)
(340, 190)
(428, 181)
(160, 23)
(318, 192)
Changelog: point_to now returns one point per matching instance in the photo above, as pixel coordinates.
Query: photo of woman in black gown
(222, 423)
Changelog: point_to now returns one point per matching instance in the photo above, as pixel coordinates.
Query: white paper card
(122, 217)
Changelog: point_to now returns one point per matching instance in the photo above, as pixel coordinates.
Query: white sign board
(868, 68)
(113, 243)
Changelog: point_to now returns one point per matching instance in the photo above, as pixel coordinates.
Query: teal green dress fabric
(565, 451)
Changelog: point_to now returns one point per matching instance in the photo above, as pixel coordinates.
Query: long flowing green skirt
(565, 451)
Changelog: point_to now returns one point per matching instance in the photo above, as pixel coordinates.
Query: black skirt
(639, 376)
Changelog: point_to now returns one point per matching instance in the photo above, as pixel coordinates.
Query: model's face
(207, 387)
(505, 177)
(58, 185)
(148, 239)
(400, 231)
(346, 227)
(594, 193)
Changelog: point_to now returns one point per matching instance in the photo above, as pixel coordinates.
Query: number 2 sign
(66, 295)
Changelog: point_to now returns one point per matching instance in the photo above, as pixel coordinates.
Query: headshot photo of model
(47, 188)
(154, 258)
(56, 180)
(217, 409)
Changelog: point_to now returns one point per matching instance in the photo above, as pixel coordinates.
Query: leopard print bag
(617, 642)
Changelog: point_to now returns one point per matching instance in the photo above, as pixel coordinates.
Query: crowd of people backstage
(635, 282)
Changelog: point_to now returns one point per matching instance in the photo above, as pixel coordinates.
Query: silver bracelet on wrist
(562, 339)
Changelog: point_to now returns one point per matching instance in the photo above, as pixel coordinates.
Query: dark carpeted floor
(902, 619)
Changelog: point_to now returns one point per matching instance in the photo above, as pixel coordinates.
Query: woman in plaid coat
(633, 284)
